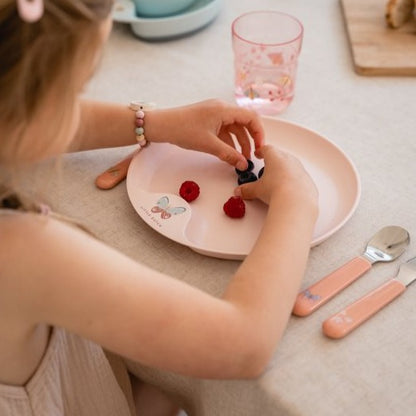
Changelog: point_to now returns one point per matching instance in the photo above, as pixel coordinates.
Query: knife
(345, 321)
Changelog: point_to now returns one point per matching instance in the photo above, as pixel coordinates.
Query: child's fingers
(251, 190)
(247, 191)
(263, 150)
(243, 139)
(250, 120)
(225, 137)
(226, 152)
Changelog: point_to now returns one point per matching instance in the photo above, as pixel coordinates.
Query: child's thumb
(246, 191)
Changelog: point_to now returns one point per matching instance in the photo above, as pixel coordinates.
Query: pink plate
(156, 174)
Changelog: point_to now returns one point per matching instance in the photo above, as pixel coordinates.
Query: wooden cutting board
(377, 49)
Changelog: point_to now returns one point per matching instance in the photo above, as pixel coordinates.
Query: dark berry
(189, 191)
(246, 177)
(250, 167)
(261, 172)
(235, 207)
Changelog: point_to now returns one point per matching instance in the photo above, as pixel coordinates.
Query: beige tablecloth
(373, 370)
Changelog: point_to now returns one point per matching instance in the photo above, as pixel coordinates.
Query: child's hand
(208, 127)
(283, 175)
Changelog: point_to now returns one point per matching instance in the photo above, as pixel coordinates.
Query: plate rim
(354, 169)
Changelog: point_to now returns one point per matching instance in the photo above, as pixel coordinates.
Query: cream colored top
(74, 378)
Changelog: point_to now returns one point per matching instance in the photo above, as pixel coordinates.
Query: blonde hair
(34, 57)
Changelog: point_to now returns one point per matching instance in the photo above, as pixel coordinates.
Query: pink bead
(139, 122)
(140, 114)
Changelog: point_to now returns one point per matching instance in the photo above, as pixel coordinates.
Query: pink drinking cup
(266, 47)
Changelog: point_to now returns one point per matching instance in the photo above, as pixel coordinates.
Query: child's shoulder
(18, 231)
(27, 237)
(15, 225)
(34, 253)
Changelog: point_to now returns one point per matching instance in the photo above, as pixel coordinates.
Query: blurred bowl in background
(160, 8)
(195, 17)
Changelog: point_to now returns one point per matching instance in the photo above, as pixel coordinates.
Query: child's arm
(58, 275)
(103, 125)
(206, 126)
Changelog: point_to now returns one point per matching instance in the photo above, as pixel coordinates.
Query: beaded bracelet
(139, 108)
(115, 174)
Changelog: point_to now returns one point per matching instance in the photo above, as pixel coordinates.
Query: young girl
(66, 299)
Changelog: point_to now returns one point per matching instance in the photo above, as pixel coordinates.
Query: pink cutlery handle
(344, 322)
(316, 295)
(114, 175)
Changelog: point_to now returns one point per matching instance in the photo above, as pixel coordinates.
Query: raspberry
(189, 191)
(235, 207)
(250, 167)
(246, 177)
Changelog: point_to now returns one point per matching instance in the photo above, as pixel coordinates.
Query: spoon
(115, 174)
(386, 245)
